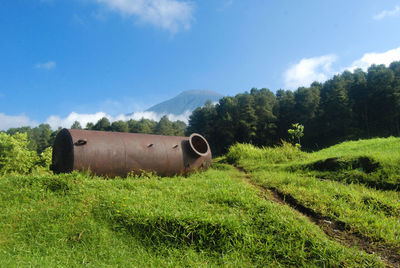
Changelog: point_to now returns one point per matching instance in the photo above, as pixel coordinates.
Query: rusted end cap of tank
(63, 152)
(199, 145)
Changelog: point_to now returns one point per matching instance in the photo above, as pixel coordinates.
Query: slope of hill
(351, 190)
(186, 101)
(267, 209)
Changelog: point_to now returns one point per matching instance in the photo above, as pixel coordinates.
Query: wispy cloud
(10, 121)
(368, 59)
(309, 70)
(225, 5)
(320, 69)
(46, 65)
(171, 15)
(56, 121)
(387, 13)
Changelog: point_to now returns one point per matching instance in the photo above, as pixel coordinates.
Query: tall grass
(206, 219)
(348, 182)
(270, 155)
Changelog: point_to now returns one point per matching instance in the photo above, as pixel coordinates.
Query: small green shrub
(15, 157)
(45, 158)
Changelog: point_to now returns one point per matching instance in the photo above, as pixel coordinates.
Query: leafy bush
(15, 157)
(45, 158)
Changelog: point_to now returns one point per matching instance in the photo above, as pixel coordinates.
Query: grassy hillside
(266, 207)
(350, 190)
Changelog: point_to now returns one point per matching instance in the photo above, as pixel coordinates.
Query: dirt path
(334, 229)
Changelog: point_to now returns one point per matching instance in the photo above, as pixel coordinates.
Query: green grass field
(254, 207)
(353, 184)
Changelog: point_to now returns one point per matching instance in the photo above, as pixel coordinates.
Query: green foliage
(296, 133)
(45, 158)
(89, 126)
(247, 117)
(165, 127)
(103, 124)
(76, 125)
(15, 157)
(39, 138)
(120, 126)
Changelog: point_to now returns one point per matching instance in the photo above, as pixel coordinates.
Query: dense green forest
(347, 107)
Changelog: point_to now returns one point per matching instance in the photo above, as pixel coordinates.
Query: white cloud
(57, 121)
(320, 69)
(309, 70)
(46, 65)
(155, 116)
(368, 59)
(167, 14)
(387, 13)
(10, 121)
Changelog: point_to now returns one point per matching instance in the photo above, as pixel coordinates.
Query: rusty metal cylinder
(117, 154)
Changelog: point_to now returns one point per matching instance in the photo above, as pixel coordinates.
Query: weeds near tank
(142, 174)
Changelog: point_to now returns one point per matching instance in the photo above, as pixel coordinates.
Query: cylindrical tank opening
(199, 144)
(63, 153)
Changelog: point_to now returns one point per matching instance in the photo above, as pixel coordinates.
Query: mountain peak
(201, 92)
(187, 100)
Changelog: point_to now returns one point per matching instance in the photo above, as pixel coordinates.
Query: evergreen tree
(285, 112)
(120, 126)
(265, 103)
(102, 124)
(165, 127)
(76, 125)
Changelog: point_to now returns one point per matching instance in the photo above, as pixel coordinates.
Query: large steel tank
(117, 154)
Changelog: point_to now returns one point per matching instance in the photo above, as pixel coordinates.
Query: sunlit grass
(206, 219)
(327, 182)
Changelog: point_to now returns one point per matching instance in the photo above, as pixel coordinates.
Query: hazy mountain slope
(187, 100)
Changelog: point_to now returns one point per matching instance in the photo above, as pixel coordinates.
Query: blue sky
(66, 60)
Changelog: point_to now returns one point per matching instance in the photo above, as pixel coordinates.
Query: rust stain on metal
(117, 154)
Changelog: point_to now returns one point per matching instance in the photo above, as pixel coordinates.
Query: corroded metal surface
(117, 154)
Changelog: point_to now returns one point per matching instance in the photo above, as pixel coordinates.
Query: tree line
(351, 105)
